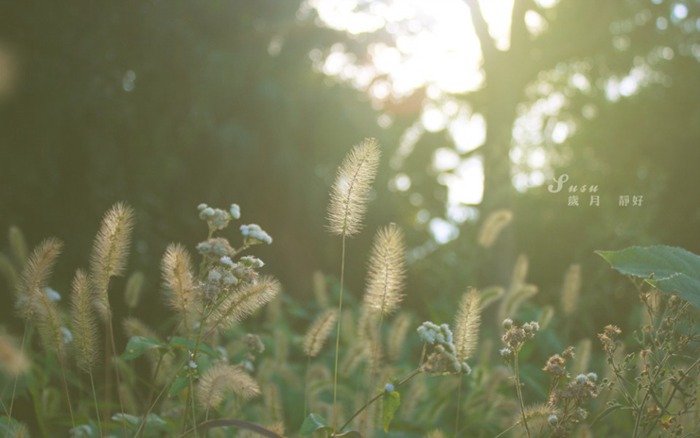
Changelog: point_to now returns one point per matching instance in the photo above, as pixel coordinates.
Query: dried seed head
(109, 253)
(350, 191)
(492, 227)
(12, 359)
(386, 271)
(466, 325)
(243, 302)
(178, 278)
(84, 324)
(319, 331)
(222, 378)
(35, 275)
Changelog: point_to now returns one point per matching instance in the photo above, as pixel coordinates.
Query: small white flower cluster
(515, 336)
(443, 359)
(215, 248)
(216, 218)
(252, 233)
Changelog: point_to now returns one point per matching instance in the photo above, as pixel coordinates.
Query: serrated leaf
(191, 345)
(391, 402)
(313, 423)
(138, 345)
(670, 269)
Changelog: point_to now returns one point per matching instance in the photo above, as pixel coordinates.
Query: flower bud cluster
(443, 358)
(216, 218)
(515, 336)
(253, 234)
(223, 270)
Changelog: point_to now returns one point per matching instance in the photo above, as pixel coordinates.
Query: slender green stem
(413, 374)
(116, 368)
(14, 384)
(459, 406)
(337, 336)
(306, 386)
(97, 407)
(519, 391)
(65, 389)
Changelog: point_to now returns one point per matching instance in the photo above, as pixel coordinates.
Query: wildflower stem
(14, 384)
(97, 407)
(306, 386)
(116, 369)
(65, 389)
(413, 374)
(518, 389)
(459, 406)
(337, 337)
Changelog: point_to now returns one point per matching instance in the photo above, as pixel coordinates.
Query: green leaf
(191, 345)
(391, 402)
(10, 427)
(670, 269)
(314, 423)
(138, 345)
(178, 385)
(153, 422)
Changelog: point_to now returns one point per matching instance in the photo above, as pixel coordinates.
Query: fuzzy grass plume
(492, 227)
(35, 276)
(178, 278)
(85, 332)
(222, 378)
(109, 253)
(242, 303)
(318, 332)
(570, 290)
(386, 271)
(466, 326)
(351, 188)
(12, 359)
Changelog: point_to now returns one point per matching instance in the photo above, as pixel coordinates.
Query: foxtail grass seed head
(320, 289)
(492, 227)
(571, 289)
(35, 275)
(12, 359)
(242, 303)
(109, 253)
(84, 324)
(350, 191)
(134, 287)
(467, 321)
(222, 378)
(386, 271)
(178, 278)
(318, 332)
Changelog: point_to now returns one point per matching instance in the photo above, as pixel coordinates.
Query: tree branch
(488, 46)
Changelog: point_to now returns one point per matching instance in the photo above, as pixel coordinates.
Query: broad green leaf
(190, 345)
(670, 269)
(391, 402)
(138, 345)
(314, 423)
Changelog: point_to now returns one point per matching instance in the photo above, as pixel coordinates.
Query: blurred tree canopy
(169, 104)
